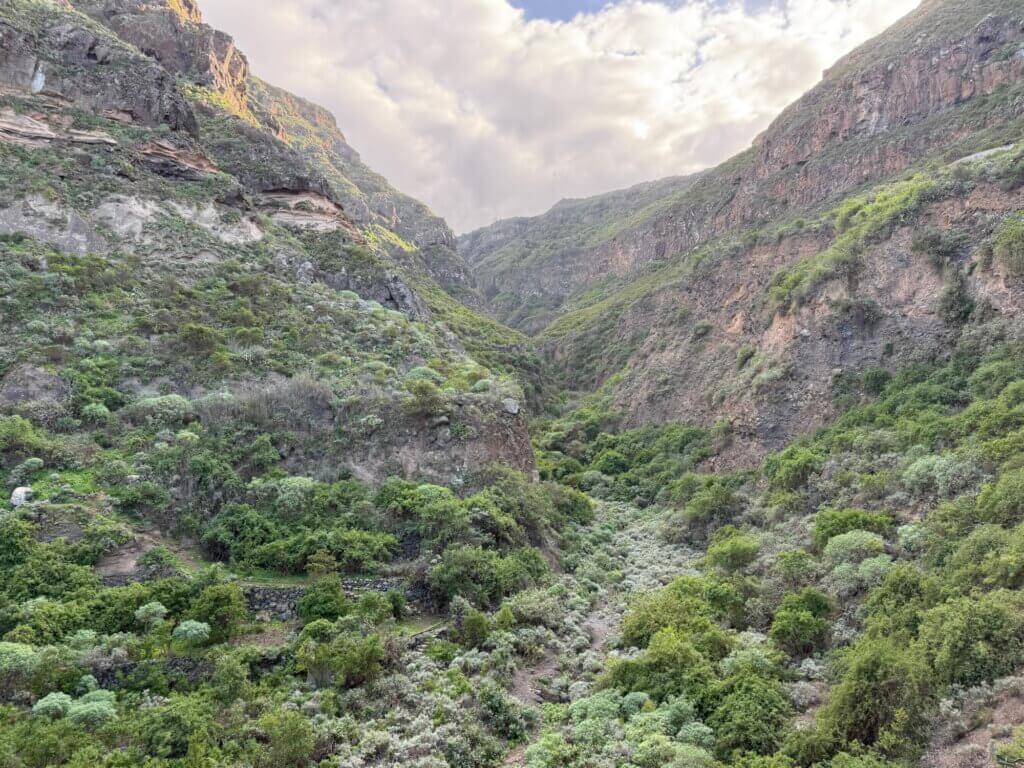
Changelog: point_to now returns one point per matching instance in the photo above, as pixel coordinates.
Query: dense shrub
(791, 468)
(1009, 246)
(829, 523)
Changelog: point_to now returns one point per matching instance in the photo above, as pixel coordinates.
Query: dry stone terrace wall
(280, 602)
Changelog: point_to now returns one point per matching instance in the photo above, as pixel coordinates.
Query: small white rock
(511, 406)
(22, 495)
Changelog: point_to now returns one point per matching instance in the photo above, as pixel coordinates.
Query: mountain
(746, 292)
(277, 493)
(136, 134)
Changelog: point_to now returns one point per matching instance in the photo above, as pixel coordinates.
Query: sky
(486, 109)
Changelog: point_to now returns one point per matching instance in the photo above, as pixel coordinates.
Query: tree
(752, 715)
(223, 607)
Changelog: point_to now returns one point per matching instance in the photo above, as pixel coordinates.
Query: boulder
(21, 496)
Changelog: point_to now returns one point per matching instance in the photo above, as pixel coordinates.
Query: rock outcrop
(55, 52)
(173, 33)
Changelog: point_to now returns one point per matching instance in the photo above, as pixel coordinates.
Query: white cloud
(482, 114)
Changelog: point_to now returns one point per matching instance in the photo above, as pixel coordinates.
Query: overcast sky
(486, 109)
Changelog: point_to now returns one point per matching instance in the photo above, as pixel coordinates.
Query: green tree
(223, 607)
(290, 740)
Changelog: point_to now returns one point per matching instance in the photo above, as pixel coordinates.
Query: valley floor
(643, 560)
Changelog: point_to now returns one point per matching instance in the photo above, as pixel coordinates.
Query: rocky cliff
(751, 292)
(890, 103)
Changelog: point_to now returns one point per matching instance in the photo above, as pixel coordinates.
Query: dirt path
(124, 562)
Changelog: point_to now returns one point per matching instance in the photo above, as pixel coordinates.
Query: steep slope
(237, 249)
(527, 266)
(751, 292)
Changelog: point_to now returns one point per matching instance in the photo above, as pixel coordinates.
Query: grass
(858, 221)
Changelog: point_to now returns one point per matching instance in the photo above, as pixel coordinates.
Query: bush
(484, 577)
(751, 717)
(161, 411)
(1002, 502)
(944, 475)
(796, 567)
(1009, 246)
(94, 710)
(969, 641)
(941, 247)
(425, 397)
(955, 302)
(732, 550)
(800, 626)
(236, 532)
(323, 599)
(53, 705)
(150, 615)
(829, 523)
(791, 468)
(290, 740)
(194, 633)
(670, 666)
(355, 659)
(710, 508)
(222, 607)
(854, 546)
(882, 697)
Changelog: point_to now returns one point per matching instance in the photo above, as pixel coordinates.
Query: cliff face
(884, 107)
(266, 278)
(755, 292)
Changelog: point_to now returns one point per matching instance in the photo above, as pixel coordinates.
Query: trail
(646, 561)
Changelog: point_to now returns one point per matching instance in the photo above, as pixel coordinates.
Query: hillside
(744, 292)
(279, 493)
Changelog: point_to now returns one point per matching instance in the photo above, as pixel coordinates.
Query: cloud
(484, 114)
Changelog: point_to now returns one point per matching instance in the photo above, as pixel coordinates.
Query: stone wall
(280, 602)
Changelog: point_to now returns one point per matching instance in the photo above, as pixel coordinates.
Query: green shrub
(290, 740)
(1009, 245)
(853, 547)
(324, 599)
(800, 625)
(796, 567)
(194, 633)
(425, 397)
(941, 247)
(1002, 502)
(882, 697)
(829, 523)
(955, 302)
(53, 705)
(484, 577)
(731, 550)
(159, 411)
(751, 717)
(970, 641)
(670, 666)
(791, 468)
(223, 608)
